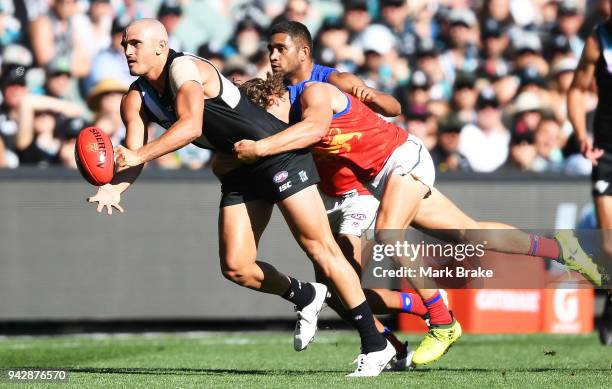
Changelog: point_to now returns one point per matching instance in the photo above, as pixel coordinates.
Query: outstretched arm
(316, 118)
(378, 101)
(109, 195)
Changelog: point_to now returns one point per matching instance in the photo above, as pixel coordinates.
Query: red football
(94, 156)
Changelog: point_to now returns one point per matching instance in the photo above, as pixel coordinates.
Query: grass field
(266, 359)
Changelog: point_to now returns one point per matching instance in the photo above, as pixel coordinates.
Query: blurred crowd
(483, 83)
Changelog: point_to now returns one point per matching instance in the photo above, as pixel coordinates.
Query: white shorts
(350, 214)
(412, 158)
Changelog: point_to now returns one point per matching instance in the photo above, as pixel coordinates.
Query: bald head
(145, 42)
(149, 28)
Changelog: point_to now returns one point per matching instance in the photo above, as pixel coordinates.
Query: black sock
(363, 320)
(299, 293)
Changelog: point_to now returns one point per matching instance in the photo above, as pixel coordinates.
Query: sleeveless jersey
(603, 77)
(228, 118)
(355, 148)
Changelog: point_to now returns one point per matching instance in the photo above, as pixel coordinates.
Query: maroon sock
(540, 246)
(438, 312)
(412, 303)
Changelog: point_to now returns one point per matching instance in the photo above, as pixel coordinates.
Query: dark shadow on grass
(189, 371)
(513, 370)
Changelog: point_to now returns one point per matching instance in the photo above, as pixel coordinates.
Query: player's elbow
(394, 110)
(317, 132)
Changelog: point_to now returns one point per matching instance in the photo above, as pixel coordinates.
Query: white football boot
(371, 364)
(306, 326)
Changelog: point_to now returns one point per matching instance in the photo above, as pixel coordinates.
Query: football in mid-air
(94, 156)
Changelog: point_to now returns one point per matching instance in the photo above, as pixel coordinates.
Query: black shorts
(601, 176)
(274, 180)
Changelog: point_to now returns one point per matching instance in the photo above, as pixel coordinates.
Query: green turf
(267, 360)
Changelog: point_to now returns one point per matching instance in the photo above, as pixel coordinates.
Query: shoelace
(300, 315)
(360, 360)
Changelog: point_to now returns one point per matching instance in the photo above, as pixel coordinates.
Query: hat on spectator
(377, 38)
(531, 76)
(487, 98)
(355, 5)
(392, 3)
(57, 66)
(569, 7)
(464, 80)
(105, 86)
(527, 42)
(491, 28)
(419, 80)
(16, 55)
(526, 102)
(13, 75)
(169, 7)
(427, 48)
(462, 16)
(565, 65)
(451, 124)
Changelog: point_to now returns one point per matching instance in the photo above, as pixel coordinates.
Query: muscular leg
(603, 208)
(240, 228)
(311, 230)
(399, 205)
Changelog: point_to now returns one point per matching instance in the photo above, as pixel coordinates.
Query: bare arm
(583, 79)
(32, 103)
(379, 102)
(109, 195)
(135, 137)
(42, 40)
(316, 118)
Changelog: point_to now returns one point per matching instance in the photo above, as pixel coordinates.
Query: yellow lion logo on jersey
(335, 142)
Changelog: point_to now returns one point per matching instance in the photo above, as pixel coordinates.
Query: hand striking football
(94, 156)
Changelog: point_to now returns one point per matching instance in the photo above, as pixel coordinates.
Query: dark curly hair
(259, 90)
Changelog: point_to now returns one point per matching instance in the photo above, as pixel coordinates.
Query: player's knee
(323, 253)
(236, 273)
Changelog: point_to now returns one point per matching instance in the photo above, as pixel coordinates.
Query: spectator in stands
(332, 47)
(495, 44)
(58, 83)
(169, 14)
(528, 52)
(464, 97)
(63, 32)
(104, 100)
(446, 155)
(111, 63)
(101, 14)
(461, 53)
(356, 17)
(37, 142)
(547, 143)
(212, 53)
(416, 94)
(13, 85)
(570, 18)
(377, 44)
(247, 40)
(420, 123)
(427, 59)
(133, 10)
(394, 14)
(563, 74)
(10, 27)
(527, 113)
(485, 143)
